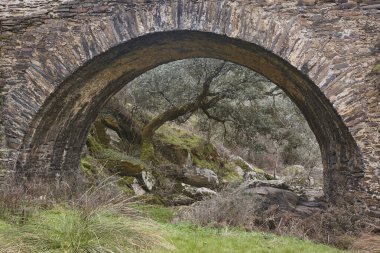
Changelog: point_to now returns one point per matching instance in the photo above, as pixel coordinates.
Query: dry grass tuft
(367, 243)
(100, 219)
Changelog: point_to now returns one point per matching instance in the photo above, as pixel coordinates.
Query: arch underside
(59, 130)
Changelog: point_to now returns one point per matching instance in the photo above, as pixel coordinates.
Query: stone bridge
(61, 60)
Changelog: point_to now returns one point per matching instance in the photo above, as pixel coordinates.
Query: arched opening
(60, 128)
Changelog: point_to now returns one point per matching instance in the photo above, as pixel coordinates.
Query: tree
(230, 104)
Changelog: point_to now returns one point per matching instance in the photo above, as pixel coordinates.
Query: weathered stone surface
(124, 166)
(197, 193)
(286, 199)
(114, 137)
(137, 189)
(62, 60)
(279, 184)
(148, 180)
(200, 177)
(253, 175)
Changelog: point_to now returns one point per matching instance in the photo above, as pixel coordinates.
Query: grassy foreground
(68, 231)
(188, 238)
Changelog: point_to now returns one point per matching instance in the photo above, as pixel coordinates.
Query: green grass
(188, 238)
(158, 213)
(75, 231)
(69, 231)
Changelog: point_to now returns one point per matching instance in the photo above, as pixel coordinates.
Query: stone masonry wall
(336, 45)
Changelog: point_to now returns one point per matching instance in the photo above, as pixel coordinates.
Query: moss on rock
(120, 163)
(125, 183)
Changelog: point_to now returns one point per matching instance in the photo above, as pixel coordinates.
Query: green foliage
(252, 114)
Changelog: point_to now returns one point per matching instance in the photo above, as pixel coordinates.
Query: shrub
(336, 226)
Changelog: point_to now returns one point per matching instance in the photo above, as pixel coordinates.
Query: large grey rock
(197, 193)
(253, 175)
(285, 199)
(137, 189)
(279, 184)
(148, 180)
(179, 200)
(114, 137)
(200, 177)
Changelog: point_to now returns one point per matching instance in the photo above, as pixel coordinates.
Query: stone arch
(79, 55)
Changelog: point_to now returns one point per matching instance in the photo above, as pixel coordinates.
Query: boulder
(137, 189)
(239, 171)
(286, 200)
(253, 175)
(113, 137)
(200, 177)
(179, 200)
(148, 180)
(279, 184)
(122, 164)
(197, 193)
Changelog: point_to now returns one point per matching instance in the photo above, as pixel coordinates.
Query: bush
(335, 226)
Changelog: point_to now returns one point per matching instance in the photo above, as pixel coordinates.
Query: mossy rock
(262, 172)
(110, 121)
(207, 164)
(125, 183)
(175, 144)
(120, 163)
(169, 135)
(242, 165)
(124, 167)
(175, 154)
